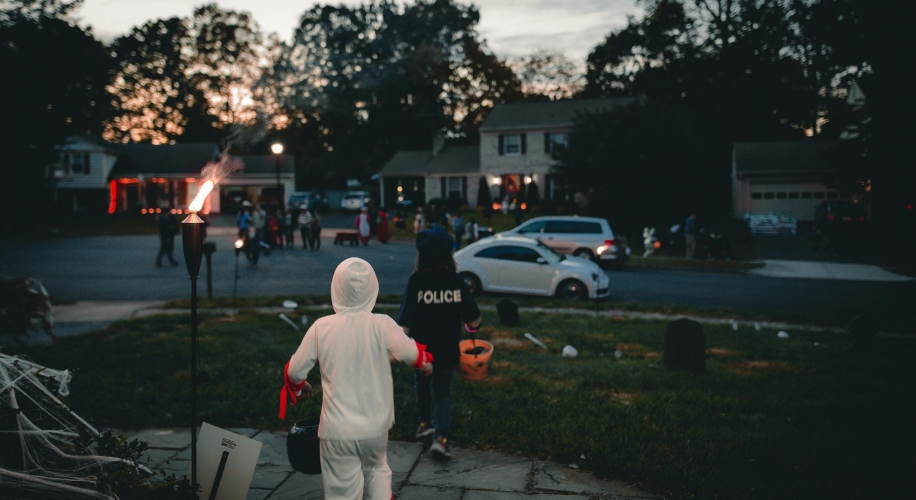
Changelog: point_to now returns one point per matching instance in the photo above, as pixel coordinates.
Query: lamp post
(277, 149)
(239, 243)
(192, 238)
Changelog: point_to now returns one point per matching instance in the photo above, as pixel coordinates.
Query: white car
(354, 200)
(517, 264)
(587, 237)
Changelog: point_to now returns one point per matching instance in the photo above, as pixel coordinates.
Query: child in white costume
(354, 349)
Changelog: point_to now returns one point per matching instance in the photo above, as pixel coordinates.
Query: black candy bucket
(303, 447)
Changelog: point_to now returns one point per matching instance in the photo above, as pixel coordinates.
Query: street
(122, 268)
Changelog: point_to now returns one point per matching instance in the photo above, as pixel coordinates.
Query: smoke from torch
(213, 172)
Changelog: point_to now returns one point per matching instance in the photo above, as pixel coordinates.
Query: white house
(95, 176)
(517, 142)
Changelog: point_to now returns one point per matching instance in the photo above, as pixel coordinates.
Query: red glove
(289, 389)
(423, 357)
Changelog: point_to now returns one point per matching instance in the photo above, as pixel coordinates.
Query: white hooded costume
(354, 349)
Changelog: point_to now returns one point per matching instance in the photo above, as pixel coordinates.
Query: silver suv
(586, 237)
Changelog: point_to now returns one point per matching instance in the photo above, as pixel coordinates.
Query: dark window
(806, 195)
(768, 196)
(757, 196)
(818, 195)
(780, 196)
(519, 254)
(489, 253)
(534, 227)
(585, 227)
(79, 163)
(793, 195)
(512, 144)
(555, 226)
(832, 195)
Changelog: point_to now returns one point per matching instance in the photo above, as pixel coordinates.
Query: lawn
(773, 418)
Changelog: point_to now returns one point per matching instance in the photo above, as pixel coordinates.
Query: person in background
(281, 228)
(243, 221)
(273, 229)
(458, 229)
(472, 230)
(289, 224)
(362, 226)
(518, 216)
(399, 220)
(315, 232)
(305, 226)
(258, 222)
(437, 301)
(418, 223)
(690, 235)
(353, 350)
(168, 228)
(384, 234)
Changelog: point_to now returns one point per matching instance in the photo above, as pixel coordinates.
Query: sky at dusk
(511, 27)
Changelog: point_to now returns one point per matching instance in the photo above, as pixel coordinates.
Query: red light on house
(831, 217)
(909, 206)
(112, 196)
(142, 210)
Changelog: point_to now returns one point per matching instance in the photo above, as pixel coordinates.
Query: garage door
(795, 199)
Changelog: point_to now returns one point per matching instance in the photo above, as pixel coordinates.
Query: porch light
(497, 181)
(527, 179)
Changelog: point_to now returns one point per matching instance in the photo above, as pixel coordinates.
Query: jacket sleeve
(305, 358)
(400, 346)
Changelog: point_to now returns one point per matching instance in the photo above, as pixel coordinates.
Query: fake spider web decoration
(39, 454)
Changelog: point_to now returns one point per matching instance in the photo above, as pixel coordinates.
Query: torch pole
(192, 244)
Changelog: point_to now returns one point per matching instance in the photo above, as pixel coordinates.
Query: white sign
(225, 463)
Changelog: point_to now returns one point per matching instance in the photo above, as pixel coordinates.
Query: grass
(773, 418)
(897, 325)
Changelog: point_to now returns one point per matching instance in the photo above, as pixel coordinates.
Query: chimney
(438, 143)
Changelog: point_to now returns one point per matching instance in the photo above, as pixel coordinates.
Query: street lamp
(192, 238)
(277, 149)
(239, 243)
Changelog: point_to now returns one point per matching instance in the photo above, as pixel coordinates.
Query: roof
(266, 164)
(783, 156)
(171, 159)
(93, 140)
(548, 114)
(450, 160)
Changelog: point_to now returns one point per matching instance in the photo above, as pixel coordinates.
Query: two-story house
(95, 176)
(517, 143)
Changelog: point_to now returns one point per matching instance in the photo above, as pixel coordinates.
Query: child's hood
(354, 287)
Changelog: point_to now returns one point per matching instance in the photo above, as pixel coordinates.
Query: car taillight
(831, 217)
(608, 243)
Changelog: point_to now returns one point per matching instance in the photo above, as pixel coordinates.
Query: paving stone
(300, 487)
(412, 492)
(273, 451)
(402, 456)
(552, 477)
(157, 456)
(270, 476)
(473, 469)
(257, 494)
(505, 495)
(162, 438)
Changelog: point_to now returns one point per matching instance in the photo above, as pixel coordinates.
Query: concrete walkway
(825, 271)
(469, 475)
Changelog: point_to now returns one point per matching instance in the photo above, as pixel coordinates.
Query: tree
(58, 90)
(186, 78)
(548, 76)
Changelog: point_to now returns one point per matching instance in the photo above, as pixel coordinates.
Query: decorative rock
(508, 312)
(685, 346)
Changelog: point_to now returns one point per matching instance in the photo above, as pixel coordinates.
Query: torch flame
(198, 202)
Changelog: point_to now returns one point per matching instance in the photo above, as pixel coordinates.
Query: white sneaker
(440, 448)
(424, 430)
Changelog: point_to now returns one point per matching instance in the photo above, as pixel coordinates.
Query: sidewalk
(469, 475)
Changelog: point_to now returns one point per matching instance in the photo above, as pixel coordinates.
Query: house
(784, 177)
(95, 176)
(517, 142)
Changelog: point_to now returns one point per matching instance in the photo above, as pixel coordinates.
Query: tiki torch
(192, 238)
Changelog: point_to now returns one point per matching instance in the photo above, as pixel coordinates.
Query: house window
(806, 195)
(553, 142)
(780, 196)
(453, 188)
(793, 195)
(756, 196)
(512, 144)
(819, 195)
(79, 163)
(768, 196)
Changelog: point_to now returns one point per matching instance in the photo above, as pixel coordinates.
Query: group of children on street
(262, 231)
(354, 348)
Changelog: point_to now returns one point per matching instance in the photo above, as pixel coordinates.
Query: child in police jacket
(436, 303)
(354, 349)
